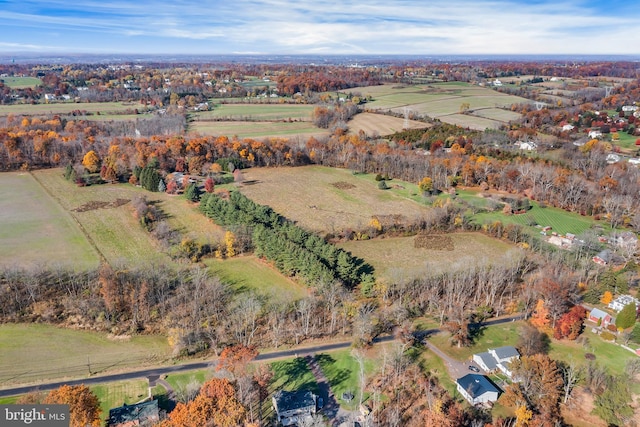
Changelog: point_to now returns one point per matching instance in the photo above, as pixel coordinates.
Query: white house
(629, 108)
(486, 361)
(623, 300)
(527, 145)
(497, 82)
(568, 127)
(504, 356)
(595, 134)
(477, 389)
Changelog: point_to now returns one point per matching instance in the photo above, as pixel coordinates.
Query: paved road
(157, 372)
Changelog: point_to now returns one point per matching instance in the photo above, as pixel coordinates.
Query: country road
(159, 371)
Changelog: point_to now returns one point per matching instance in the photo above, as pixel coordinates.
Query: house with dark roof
(477, 389)
(293, 406)
(140, 414)
(486, 361)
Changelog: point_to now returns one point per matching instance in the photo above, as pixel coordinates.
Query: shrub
(607, 336)
(590, 356)
(382, 185)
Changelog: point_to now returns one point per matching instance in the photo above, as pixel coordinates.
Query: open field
(36, 230)
(247, 273)
(21, 82)
(68, 107)
(380, 124)
(70, 353)
(256, 112)
(498, 114)
(255, 129)
(561, 221)
(292, 375)
(114, 230)
(442, 101)
(397, 258)
(113, 395)
(325, 199)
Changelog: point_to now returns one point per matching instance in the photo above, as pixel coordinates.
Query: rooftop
(476, 385)
(292, 400)
(128, 413)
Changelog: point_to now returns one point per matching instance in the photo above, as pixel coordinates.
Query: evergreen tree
(192, 192)
(161, 186)
(627, 316)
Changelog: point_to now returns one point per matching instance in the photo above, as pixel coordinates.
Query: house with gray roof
(497, 359)
(486, 361)
(140, 414)
(293, 406)
(477, 389)
(598, 316)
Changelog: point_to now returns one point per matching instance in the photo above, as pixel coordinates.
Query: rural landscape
(387, 242)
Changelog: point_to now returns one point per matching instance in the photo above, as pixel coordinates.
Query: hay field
(496, 114)
(397, 258)
(443, 101)
(68, 107)
(250, 129)
(35, 352)
(260, 112)
(35, 230)
(21, 82)
(380, 124)
(325, 199)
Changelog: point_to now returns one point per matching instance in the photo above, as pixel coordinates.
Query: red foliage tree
(570, 324)
(209, 185)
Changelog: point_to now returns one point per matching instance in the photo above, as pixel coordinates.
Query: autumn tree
(570, 324)
(540, 317)
(91, 161)
(235, 358)
(531, 341)
(209, 185)
(538, 387)
(84, 406)
(607, 297)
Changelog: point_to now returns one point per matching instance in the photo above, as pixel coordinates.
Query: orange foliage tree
(84, 406)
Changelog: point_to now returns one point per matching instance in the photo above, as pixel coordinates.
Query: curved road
(159, 371)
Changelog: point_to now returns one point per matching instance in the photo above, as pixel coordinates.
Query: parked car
(473, 368)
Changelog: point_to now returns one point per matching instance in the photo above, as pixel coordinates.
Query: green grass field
(397, 258)
(343, 373)
(34, 352)
(68, 107)
(35, 230)
(561, 221)
(338, 198)
(292, 375)
(251, 129)
(113, 395)
(182, 379)
(247, 273)
(257, 112)
(21, 82)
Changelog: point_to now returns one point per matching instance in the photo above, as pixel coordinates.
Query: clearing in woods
(325, 199)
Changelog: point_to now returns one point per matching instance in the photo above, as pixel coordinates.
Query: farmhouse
(292, 406)
(600, 317)
(619, 303)
(477, 389)
(603, 258)
(140, 414)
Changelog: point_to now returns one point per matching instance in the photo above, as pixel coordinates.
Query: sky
(321, 27)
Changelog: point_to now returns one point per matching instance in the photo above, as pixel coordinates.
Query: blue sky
(421, 27)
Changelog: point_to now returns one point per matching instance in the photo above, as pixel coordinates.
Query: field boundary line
(103, 259)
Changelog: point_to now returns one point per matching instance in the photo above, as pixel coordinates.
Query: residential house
(504, 356)
(568, 127)
(140, 414)
(626, 239)
(292, 406)
(629, 108)
(595, 134)
(623, 300)
(527, 145)
(486, 361)
(598, 316)
(612, 158)
(603, 258)
(497, 359)
(477, 389)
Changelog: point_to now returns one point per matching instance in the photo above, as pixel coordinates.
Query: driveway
(456, 368)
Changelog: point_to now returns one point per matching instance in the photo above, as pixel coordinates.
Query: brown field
(325, 199)
(496, 114)
(471, 122)
(380, 124)
(397, 258)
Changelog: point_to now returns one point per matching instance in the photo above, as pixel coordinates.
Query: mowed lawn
(342, 371)
(36, 230)
(249, 274)
(113, 395)
(21, 82)
(30, 353)
(397, 258)
(325, 199)
(259, 112)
